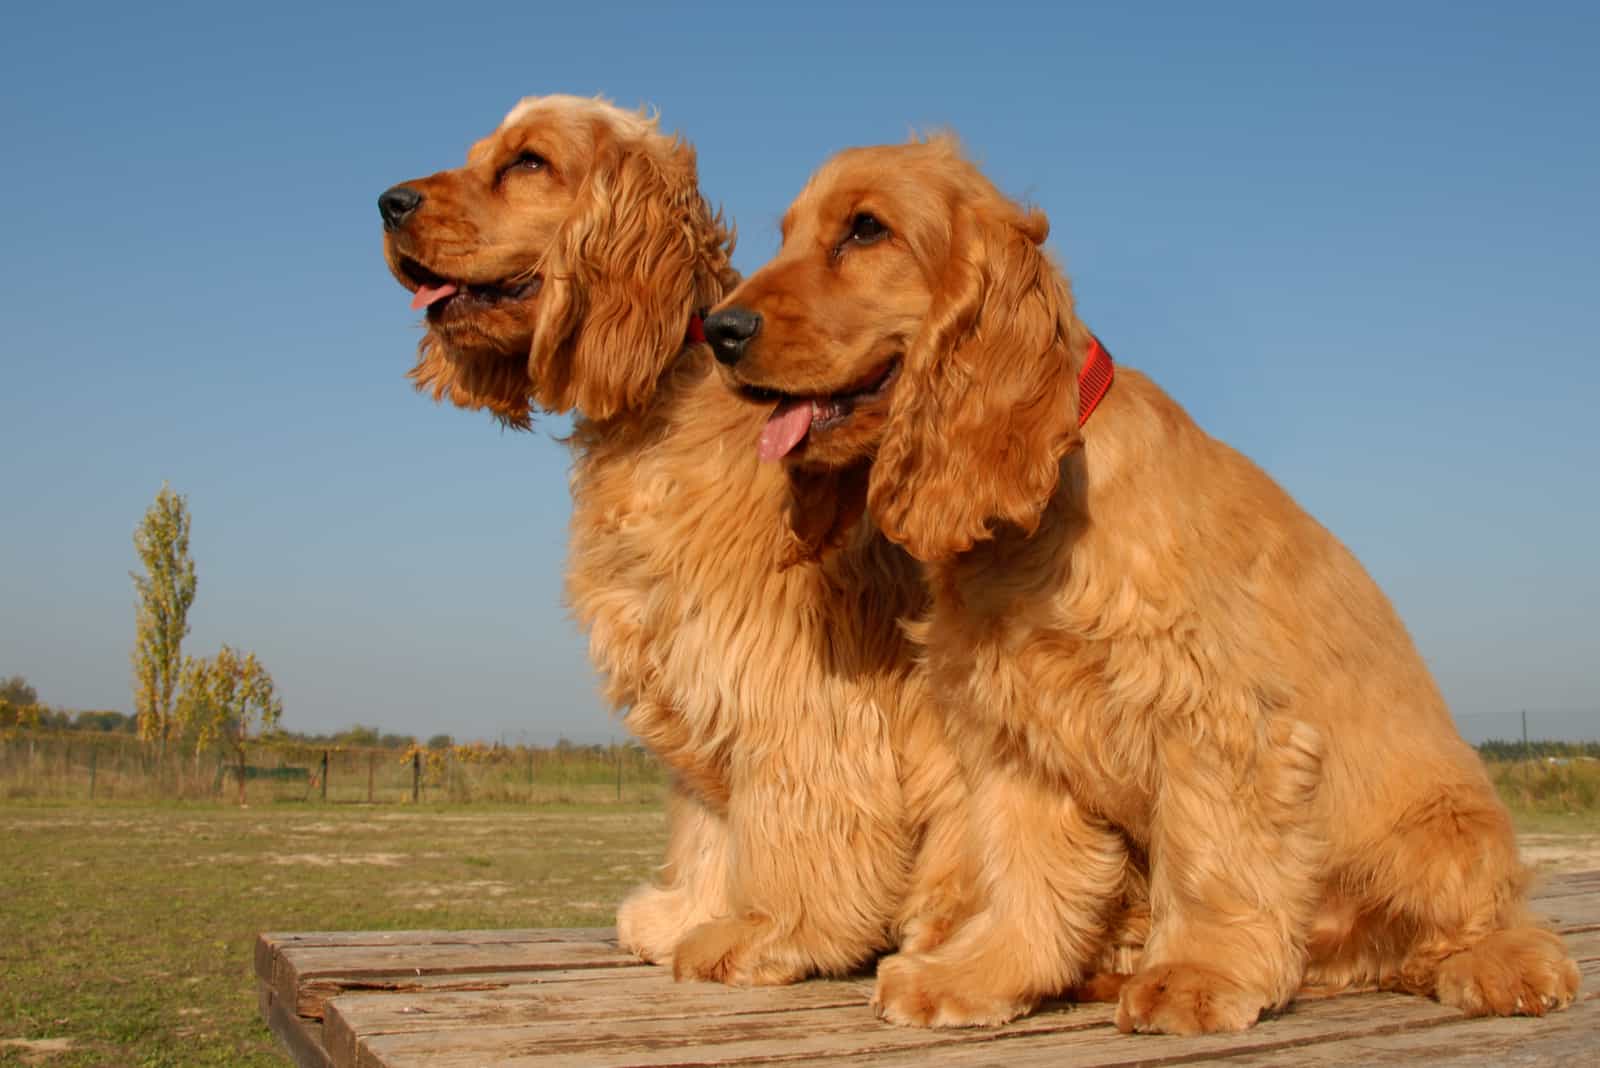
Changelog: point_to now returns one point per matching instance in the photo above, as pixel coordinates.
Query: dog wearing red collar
(1148, 654)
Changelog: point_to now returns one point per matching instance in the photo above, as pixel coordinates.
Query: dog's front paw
(1520, 972)
(739, 952)
(918, 991)
(652, 921)
(1186, 999)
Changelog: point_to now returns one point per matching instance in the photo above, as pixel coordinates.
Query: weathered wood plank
(1572, 882)
(301, 1038)
(806, 1035)
(537, 997)
(441, 936)
(1565, 883)
(651, 994)
(1375, 1028)
(846, 1034)
(1563, 915)
(1560, 886)
(269, 944)
(1583, 945)
(596, 1001)
(331, 986)
(1569, 901)
(1570, 1039)
(316, 991)
(293, 966)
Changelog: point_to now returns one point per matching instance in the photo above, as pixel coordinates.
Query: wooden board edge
(435, 936)
(338, 1037)
(301, 1038)
(265, 949)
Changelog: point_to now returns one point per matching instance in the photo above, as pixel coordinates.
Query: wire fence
(78, 764)
(63, 765)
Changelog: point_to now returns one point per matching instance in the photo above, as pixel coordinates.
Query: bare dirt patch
(38, 1050)
(1550, 853)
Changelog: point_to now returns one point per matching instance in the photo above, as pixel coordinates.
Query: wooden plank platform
(572, 998)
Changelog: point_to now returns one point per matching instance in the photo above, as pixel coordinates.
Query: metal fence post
(416, 777)
(324, 774)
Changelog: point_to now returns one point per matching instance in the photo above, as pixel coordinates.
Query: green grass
(1556, 788)
(129, 928)
(1557, 823)
(90, 765)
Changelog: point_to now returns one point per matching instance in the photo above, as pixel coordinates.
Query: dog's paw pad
(1186, 999)
(1520, 972)
(913, 991)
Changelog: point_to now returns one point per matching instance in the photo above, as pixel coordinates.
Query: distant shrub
(1553, 784)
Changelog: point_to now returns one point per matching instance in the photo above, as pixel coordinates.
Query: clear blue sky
(1357, 241)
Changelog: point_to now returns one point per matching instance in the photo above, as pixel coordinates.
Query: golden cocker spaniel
(1136, 635)
(817, 806)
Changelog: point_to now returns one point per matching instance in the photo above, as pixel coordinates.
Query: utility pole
(1527, 753)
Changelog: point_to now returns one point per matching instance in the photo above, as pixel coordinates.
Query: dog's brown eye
(865, 229)
(526, 161)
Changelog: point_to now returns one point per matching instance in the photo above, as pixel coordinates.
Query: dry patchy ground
(126, 931)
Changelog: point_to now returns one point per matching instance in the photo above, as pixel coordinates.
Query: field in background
(127, 926)
(1553, 786)
(90, 765)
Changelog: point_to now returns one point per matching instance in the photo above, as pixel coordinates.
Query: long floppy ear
(621, 279)
(987, 403)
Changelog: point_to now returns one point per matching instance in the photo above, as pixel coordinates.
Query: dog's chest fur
(1028, 677)
(1079, 651)
(720, 656)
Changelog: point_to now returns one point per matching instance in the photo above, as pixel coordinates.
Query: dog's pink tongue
(785, 427)
(426, 295)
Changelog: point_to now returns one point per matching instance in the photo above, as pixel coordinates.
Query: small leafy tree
(19, 704)
(18, 715)
(166, 590)
(104, 720)
(222, 699)
(359, 737)
(16, 691)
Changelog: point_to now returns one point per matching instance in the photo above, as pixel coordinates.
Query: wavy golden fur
(1144, 647)
(815, 801)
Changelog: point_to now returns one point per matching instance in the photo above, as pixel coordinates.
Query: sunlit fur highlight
(1152, 659)
(815, 816)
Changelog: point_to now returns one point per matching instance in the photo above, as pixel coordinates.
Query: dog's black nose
(396, 204)
(730, 330)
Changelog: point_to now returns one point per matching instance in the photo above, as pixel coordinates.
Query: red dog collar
(1094, 380)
